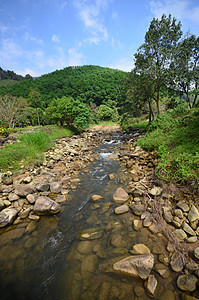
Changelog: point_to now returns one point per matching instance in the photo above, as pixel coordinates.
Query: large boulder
(44, 205)
(137, 265)
(7, 216)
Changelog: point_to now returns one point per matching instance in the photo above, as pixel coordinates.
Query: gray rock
(167, 215)
(120, 195)
(180, 234)
(187, 283)
(137, 265)
(188, 229)
(137, 209)
(31, 198)
(13, 197)
(177, 262)
(183, 205)
(192, 266)
(43, 187)
(1, 177)
(193, 214)
(151, 284)
(196, 252)
(45, 205)
(7, 216)
(23, 190)
(55, 187)
(121, 209)
(24, 214)
(178, 212)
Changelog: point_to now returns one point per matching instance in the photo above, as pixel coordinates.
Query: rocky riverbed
(133, 237)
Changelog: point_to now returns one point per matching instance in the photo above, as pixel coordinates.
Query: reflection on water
(70, 255)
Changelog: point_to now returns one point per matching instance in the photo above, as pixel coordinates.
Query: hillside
(91, 84)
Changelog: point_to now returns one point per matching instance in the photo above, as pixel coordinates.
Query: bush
(4, 132)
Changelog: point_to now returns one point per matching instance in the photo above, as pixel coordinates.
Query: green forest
(162, 89)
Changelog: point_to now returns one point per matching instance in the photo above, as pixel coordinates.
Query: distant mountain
(6, 75)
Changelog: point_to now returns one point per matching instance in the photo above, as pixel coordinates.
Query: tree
(35, 99)
(185, 68)
(154, 57)
(68, 111)
(12, 109)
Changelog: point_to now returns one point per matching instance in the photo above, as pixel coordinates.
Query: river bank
(111, 208)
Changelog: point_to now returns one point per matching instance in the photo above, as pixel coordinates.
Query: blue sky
(40, 36)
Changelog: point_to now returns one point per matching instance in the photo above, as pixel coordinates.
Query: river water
(51, 259)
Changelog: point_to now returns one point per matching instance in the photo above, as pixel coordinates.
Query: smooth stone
(139, 291)
(167, 215)
(118, 241)
(13, 197)
(23, 190)
(24, 214)
(120, 195)
(91, 234)
(188, 229)
(31, 227)
(178, 212)
(177, 262)
(44, 205)
(147, 222)
(183, 205)
(34, 217)
(85, 247)
(140, 249)
(137, 224)
(192, 239)
(180, 234)
(31, 198)
(121, 209)
(138, 209)
(60, 198)
(193, 214)
(187, 283)
(111, 176)
(137, 265)
(7, 216)
(55, 187)
(192, 266)
(96, 197)
(7, 203)
(155, 191)
(89, 263)
(196, 252)
(151, 284)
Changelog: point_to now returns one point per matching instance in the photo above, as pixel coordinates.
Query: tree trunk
(151, 115)
(194, 101)
(158, 102)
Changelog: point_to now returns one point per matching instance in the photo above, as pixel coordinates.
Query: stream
(70, 255)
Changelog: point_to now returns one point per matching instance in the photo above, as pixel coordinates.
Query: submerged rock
(7, 216)
(121, 209)
(91, 234)
(138, 265)
(151, 284)
(177, 262)
(140, 249)
(187, 283)
(96, 197)
(44, 205)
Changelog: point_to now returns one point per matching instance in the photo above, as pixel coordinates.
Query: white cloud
(90, 12)
(177, 8)
(27, 71)
(123, 64)
(55, 38)
(28, 38)
(116, 44)
(75, 57)
(63, 5)
(9, 50)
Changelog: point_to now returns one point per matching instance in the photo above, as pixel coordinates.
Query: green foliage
(69, 112)
(4, 131)
(175, 135)
(31, 148)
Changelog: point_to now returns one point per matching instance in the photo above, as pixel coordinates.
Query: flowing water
(70, 255)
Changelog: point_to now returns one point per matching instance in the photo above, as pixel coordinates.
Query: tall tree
(35, 99)
(154, 57)
(185, 68)
(11, 109)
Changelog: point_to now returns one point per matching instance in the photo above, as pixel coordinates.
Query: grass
(31, 148)
(175, 135)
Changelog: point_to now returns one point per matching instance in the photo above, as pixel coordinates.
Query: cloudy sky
(40, 36)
